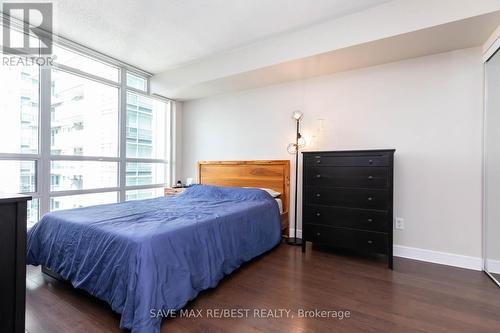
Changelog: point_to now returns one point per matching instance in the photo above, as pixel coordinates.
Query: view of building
(19, 106)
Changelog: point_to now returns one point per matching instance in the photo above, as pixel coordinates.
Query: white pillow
(273, 193)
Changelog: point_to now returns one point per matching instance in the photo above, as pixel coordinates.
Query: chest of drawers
(348, 199)
(13, 262)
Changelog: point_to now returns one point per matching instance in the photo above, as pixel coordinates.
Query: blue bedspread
(158, 253)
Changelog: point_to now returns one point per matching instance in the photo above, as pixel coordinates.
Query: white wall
(428, 108)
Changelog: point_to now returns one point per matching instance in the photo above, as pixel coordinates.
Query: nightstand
(173, 190)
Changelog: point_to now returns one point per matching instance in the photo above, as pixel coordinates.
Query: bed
(150, 257)
(270, 174)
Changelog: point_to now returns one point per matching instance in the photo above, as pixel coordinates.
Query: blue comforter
(157, 254)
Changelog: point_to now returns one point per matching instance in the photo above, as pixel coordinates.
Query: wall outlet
(399, 223)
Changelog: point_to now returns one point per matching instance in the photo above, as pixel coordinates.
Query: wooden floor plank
(414, 297)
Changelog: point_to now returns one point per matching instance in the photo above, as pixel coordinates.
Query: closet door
(492, 168)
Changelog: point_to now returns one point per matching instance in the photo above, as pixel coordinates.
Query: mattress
(280, 204)
(157, 254)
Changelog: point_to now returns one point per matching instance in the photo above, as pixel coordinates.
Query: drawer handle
(318, 234)
(370, 242)
(370, 198)
(370, 220)
(318, 195)
(317, 156)
(370, 177)
(318, 176)
(318, 214)
(318, 161)
(370, 161)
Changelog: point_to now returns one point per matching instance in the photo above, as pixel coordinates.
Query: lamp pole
(294, 240)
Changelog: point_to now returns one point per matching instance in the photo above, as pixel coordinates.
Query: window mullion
(15, 156)
(170, 149)
(83, 158)
(44, 162)
(122, 134)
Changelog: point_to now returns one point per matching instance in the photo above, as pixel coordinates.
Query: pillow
(272, 193)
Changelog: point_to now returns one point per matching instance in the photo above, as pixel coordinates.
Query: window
(145, 173)
(18, 176)
(136, 82)
(67, 152)
(82, 175)
(84, 116)
(144, 194)
(85, 64)
(82, 200)
(32, 214)
(145, 125)
(19, 99)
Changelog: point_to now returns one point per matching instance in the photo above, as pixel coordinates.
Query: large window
(68, 140)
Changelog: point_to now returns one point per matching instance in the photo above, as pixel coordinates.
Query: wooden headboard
(273, 174)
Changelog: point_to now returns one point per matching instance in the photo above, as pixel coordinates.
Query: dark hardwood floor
(496, 276)
(415, 297)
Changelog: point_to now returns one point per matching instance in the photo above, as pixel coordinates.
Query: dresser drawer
(347, 160)
(348, 176)
(348, 197)
(365, 219)
(346, 238)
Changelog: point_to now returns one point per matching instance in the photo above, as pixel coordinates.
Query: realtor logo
(36, 19)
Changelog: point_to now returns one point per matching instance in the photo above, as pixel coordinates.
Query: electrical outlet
(400, 223)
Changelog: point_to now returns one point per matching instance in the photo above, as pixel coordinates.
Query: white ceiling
(156, 35)
(443, 38)
(391, 31)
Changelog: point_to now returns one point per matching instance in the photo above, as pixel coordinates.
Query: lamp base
(294, 241)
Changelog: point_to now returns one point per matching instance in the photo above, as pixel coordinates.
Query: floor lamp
(293, 148)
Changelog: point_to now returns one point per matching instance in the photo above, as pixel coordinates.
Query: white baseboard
(493, 266)
(443, 258)
(299, 233)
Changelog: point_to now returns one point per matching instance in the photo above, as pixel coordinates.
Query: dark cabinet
(12, 262)
(348, 199)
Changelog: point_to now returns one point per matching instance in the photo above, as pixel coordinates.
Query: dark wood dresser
(348, 199)
(12, 262)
